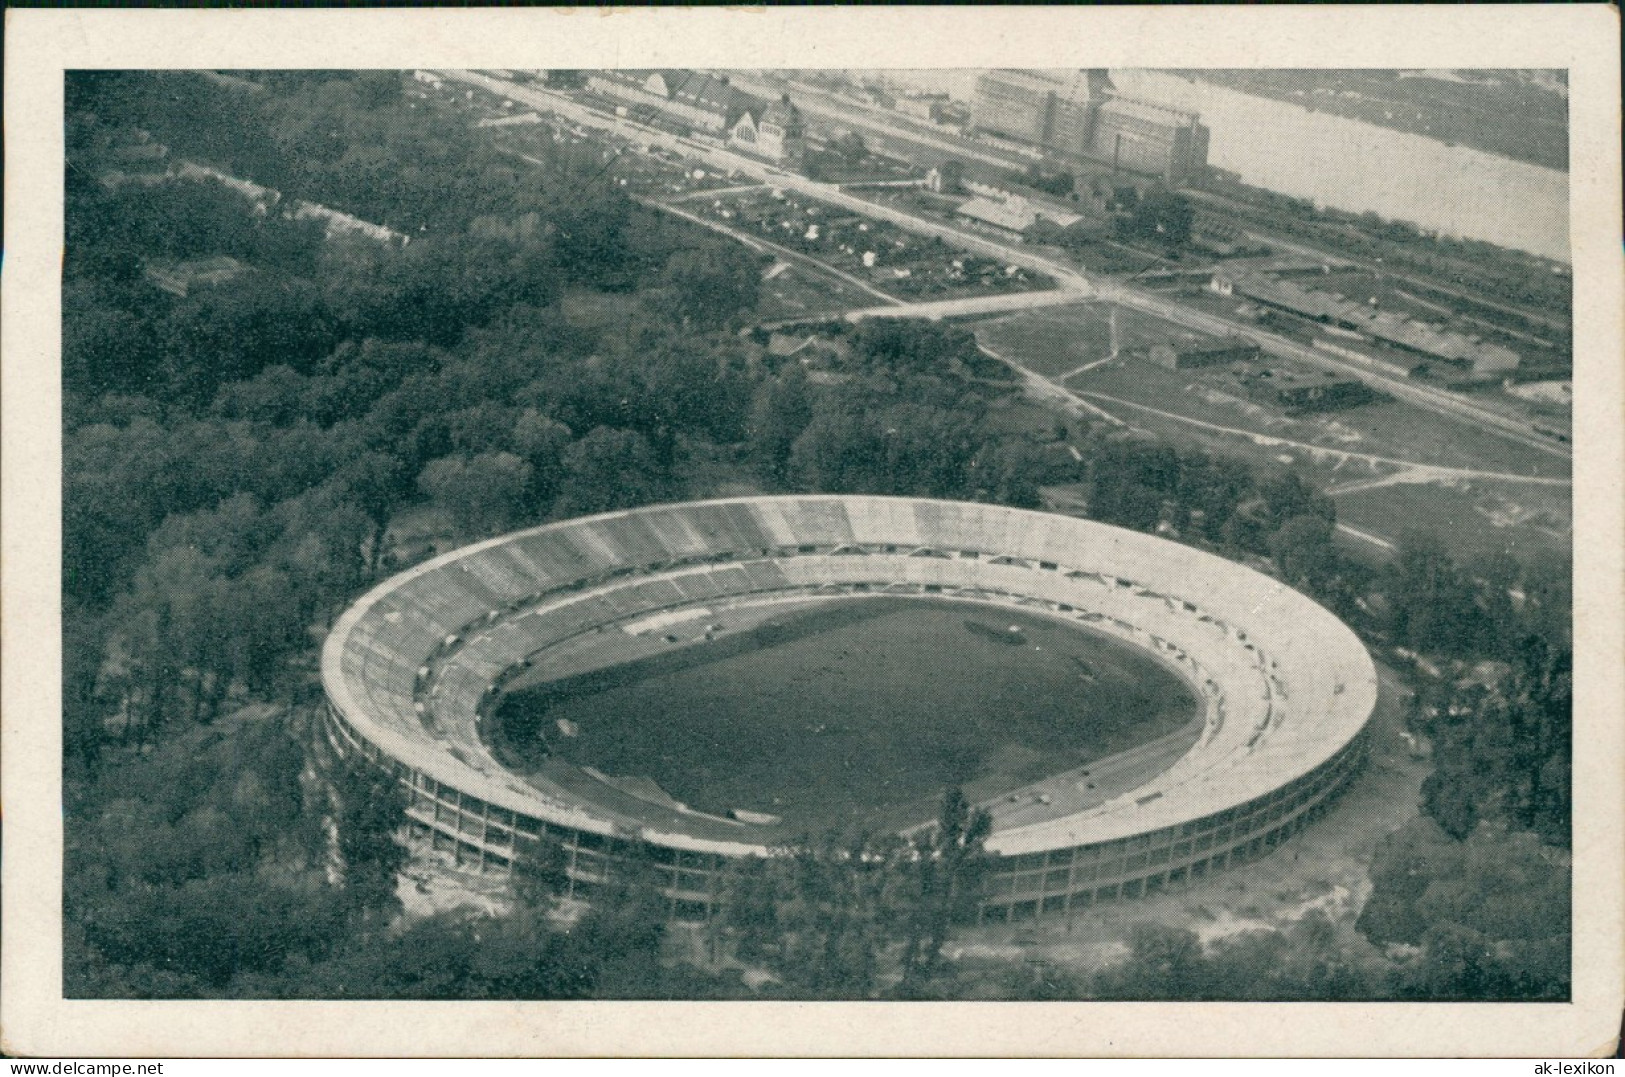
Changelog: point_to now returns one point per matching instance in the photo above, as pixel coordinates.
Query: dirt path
(1412, 471)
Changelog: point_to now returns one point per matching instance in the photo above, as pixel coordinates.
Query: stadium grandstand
(413, 669)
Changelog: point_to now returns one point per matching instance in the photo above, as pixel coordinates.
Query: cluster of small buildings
(1003, 212)
(923, 106)
(1082, 116)
(1419, 338)
(1201, 352)
(710, 105)
(1304, 390)
(1287, 388)
(876, 249)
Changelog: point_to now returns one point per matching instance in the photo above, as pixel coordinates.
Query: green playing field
(857, 714)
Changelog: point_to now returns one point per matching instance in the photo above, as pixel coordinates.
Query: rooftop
(782, 112)
(180, 277)
(1014, 213)
(1419, 336)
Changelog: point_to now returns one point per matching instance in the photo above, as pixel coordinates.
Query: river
(1353, 165)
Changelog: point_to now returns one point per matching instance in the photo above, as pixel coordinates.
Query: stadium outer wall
(414, 667)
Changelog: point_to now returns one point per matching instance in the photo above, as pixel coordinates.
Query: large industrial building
(1285, 689)
(1082, 116)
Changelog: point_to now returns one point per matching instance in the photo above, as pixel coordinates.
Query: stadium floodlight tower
(415, 666)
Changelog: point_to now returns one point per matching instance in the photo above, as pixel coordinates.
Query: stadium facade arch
(413, 669)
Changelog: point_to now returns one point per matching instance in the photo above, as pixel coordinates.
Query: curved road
(1075, 401)
(1067, 277)
(1422, 471)
(1430, 399)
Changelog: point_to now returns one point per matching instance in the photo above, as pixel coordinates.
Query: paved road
(1366, 536)
(1067, 277)
(716, 192)
(1425, 397)
(1422, 396)
(972, 305)
(1052, 392)
(1417, 472)
(818, 102)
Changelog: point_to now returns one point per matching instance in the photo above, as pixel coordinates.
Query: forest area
(253, 405)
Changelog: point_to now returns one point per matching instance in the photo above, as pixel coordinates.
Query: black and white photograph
(563, 528)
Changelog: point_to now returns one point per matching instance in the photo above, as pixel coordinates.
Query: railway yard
(1078, 317)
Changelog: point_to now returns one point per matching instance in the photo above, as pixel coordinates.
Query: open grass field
(1050, 342)
(799, 291)
(859, 714)
(1473, 518)
(1058, 340)
(1473, 522)
(1412, 434)
(1390, 428)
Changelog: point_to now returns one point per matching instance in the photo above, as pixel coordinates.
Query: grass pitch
(856, 715)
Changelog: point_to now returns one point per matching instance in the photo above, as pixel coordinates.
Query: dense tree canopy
(260, 418)
(1161, 217)
(1490, 915)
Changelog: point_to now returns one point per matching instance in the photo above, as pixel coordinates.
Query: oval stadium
(710, 680)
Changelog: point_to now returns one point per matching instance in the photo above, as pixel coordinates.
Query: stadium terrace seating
(536, 575)
(812, 571)
(735, 528)
(1287, 689)
(731, 580)
(511, 641)
(556, 562)
(479, 658)
(661, 594)
(764, 576)
(678, 534)
(813, 521)
(886, 521)
(591, 550)
(492, 578)
(696, 586)
(636, 540)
